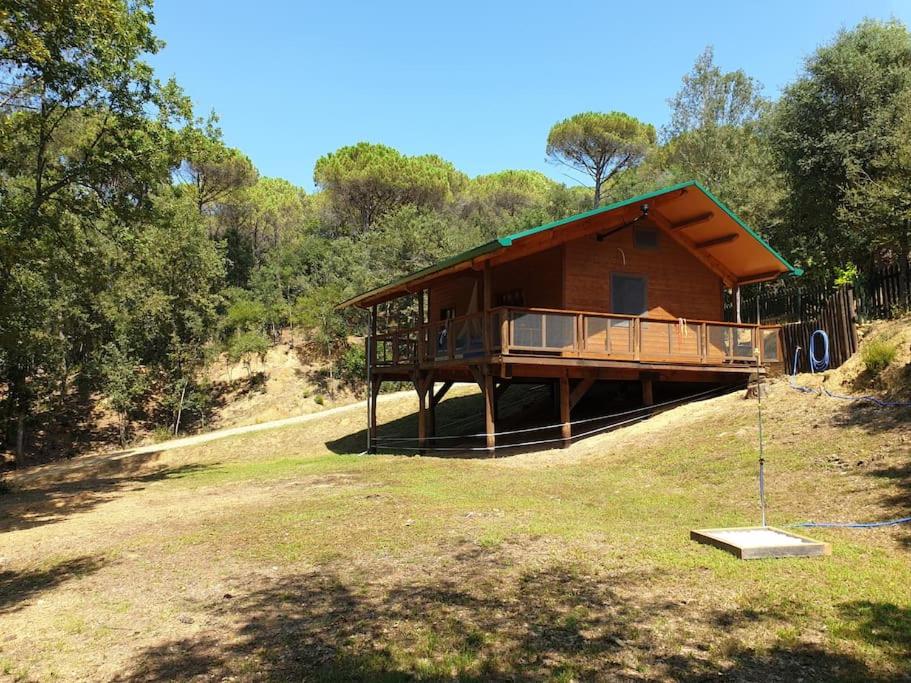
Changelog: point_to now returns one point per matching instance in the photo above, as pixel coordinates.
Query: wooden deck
(552, 337)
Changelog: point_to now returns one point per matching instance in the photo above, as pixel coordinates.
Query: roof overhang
(688, 213)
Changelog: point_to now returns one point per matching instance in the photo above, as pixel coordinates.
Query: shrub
(247, 347)
(319, 400)
(878, 355)
(352, 366)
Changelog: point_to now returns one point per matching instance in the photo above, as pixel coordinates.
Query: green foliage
(601, 145)
(124, 383)
(85, 138)
(214, 172)
(364, 181)
(248, 346)
(716, 136)
(838, 133)
(319, 400)
(847, 275)
(877, 355)
(352, 365)
(134, 244)
(315, 312)
(245, 315)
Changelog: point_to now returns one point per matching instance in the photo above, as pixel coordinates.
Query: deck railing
(577, 334)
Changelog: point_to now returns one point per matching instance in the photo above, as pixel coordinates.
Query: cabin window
(628, 294)
(645, 238)
(447, 313)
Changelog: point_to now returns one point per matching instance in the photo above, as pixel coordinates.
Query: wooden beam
(708, 261)
(648, 396)
(737, 317)
(421, 384)
(714, 242)
(487, 301)
(566, 429)
(489, 421)
(760, 277)
(438, 396)
(693, 222)
(375, 384)
(580, 390)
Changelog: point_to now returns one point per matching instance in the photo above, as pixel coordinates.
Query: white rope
(539, 442)
(556, 425)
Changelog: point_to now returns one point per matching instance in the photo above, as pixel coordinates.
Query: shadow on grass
(478, 618)
(528, 409)
(16, 588)
(77, 486)
(893, 464)
(457, 418)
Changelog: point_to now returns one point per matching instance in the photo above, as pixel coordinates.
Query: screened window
(628, 294)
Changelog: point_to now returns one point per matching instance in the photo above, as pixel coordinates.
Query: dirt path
(262, 426)
(92, 459)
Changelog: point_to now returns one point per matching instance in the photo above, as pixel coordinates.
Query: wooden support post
(567, 428)
(375, 383)
(420, 385)
(486, 299)
(505, 328)
(648, 397)
(489, 420)
(737, 304)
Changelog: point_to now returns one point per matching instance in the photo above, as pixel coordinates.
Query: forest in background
(136, 246)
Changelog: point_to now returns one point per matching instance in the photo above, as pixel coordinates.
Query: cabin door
(628, 294)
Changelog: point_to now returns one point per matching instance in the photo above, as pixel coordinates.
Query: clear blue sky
(479, 83)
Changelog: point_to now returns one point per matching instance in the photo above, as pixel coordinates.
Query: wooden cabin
(630, 291)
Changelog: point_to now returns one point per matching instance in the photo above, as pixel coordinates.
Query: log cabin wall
(452, 292)
(537, 277)
(678, 285)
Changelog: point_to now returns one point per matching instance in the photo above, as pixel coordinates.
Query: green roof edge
(508, 240)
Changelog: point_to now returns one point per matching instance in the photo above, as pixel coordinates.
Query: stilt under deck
(571, 383)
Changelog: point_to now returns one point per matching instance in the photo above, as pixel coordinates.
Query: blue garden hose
(819, 363)
(851, 525)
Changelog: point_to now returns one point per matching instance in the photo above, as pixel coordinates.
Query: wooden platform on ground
(754, 543)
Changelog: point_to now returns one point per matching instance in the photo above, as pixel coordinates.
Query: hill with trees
(136, 247)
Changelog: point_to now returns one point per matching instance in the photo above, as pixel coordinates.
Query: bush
(319, 400)
(247, 347)
(878, 355)
(352, 366)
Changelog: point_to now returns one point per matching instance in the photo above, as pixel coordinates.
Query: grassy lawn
(282, 555)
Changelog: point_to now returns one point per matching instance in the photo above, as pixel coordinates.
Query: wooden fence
(884, 293)
(879, 294)
(837, 318)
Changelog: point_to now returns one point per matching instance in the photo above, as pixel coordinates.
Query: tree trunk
(183, 393)
(904, 281)
(123, 430)
(20, 440)
(598, 182)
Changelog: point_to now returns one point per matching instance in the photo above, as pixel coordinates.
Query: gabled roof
(687, 211)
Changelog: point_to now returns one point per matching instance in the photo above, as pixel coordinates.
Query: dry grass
(279, 555)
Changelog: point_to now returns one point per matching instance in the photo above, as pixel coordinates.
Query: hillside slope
(278, 555)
